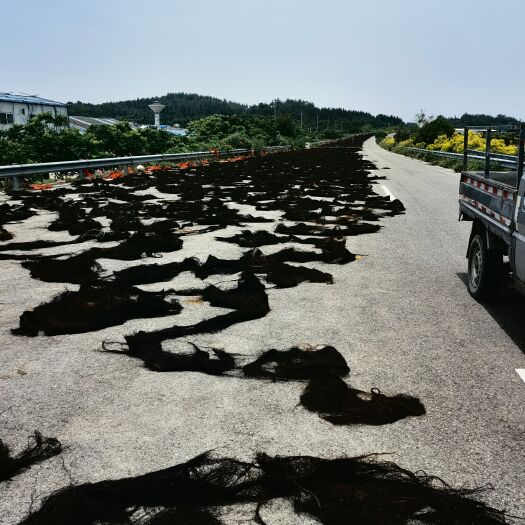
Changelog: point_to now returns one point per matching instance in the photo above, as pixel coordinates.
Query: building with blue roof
(20, 108)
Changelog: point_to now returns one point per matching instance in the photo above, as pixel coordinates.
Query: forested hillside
(468, 119)
(182, 108)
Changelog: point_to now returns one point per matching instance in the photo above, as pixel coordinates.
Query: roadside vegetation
(439, 135)
(48, 139)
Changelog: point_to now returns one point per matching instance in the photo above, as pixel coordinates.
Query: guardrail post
(16, 182)
(487, 151)
(521, 154)
(465, 148)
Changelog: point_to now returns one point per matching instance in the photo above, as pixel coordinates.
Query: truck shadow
(508, 310)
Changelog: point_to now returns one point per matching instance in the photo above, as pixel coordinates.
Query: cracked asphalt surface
(401, 316)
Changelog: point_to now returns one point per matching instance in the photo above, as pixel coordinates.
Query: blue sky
(380, 56)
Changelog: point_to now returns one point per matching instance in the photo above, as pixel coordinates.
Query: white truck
(494, 202)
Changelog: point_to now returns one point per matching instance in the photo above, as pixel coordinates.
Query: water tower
(157, 107)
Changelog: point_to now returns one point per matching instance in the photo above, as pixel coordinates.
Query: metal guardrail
(505, 160)
(511, 161)
(500, 156)
(319, 143)
(329, 141)
(20, 170)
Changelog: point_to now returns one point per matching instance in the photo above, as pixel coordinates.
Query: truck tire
(485, 269)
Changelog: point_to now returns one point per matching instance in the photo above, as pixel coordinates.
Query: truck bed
(490, 199)
(507, 178)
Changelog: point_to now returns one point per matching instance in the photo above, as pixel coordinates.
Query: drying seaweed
(321, 182)
(87, 227)
(156, 359)
(287, 276)
(336, 402)
(357, 228)
(297, 364)
(155, 273)
(395, 206)
(38, 449)
(271, 267)
(141, 244)
(334, 253)
(14, 213)
(94, 306)
(360, 490)
(253, 218)
(72, 218)
(365, 491)
(118, 224)
(5, 235)
(237, 298)
(33, 245)
(15, 257)
(249, 239)
(249, 297)
(78, 269)
(181, 516)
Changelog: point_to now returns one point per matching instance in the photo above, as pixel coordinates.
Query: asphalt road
(401, 316)
(459, 356)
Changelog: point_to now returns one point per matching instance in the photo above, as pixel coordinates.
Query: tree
(430, 131)
(422, 118)
(286, 126)
(402, 133)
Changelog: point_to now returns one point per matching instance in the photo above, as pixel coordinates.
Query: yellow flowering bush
(389, 141)
(475, 141)
(499, 146)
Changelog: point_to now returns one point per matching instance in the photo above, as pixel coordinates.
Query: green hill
(181, 108)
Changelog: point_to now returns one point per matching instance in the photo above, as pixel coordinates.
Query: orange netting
(115, 175)
(46, 186)
(235, 159)
(186, 165)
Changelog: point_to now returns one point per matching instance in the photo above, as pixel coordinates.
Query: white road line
(521, 373)
(388, 193)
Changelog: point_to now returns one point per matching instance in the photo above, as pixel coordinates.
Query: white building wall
(21, 112)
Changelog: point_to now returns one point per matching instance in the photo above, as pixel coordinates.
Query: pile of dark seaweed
(360, 490)
(329, 189)
(38, 449)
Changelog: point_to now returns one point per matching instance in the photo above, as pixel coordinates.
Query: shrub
(429, 132)
(475, 141)
(239, 139)
(388, 142)
(402, 134)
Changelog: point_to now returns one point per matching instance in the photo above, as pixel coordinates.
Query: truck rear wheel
(485, 269)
